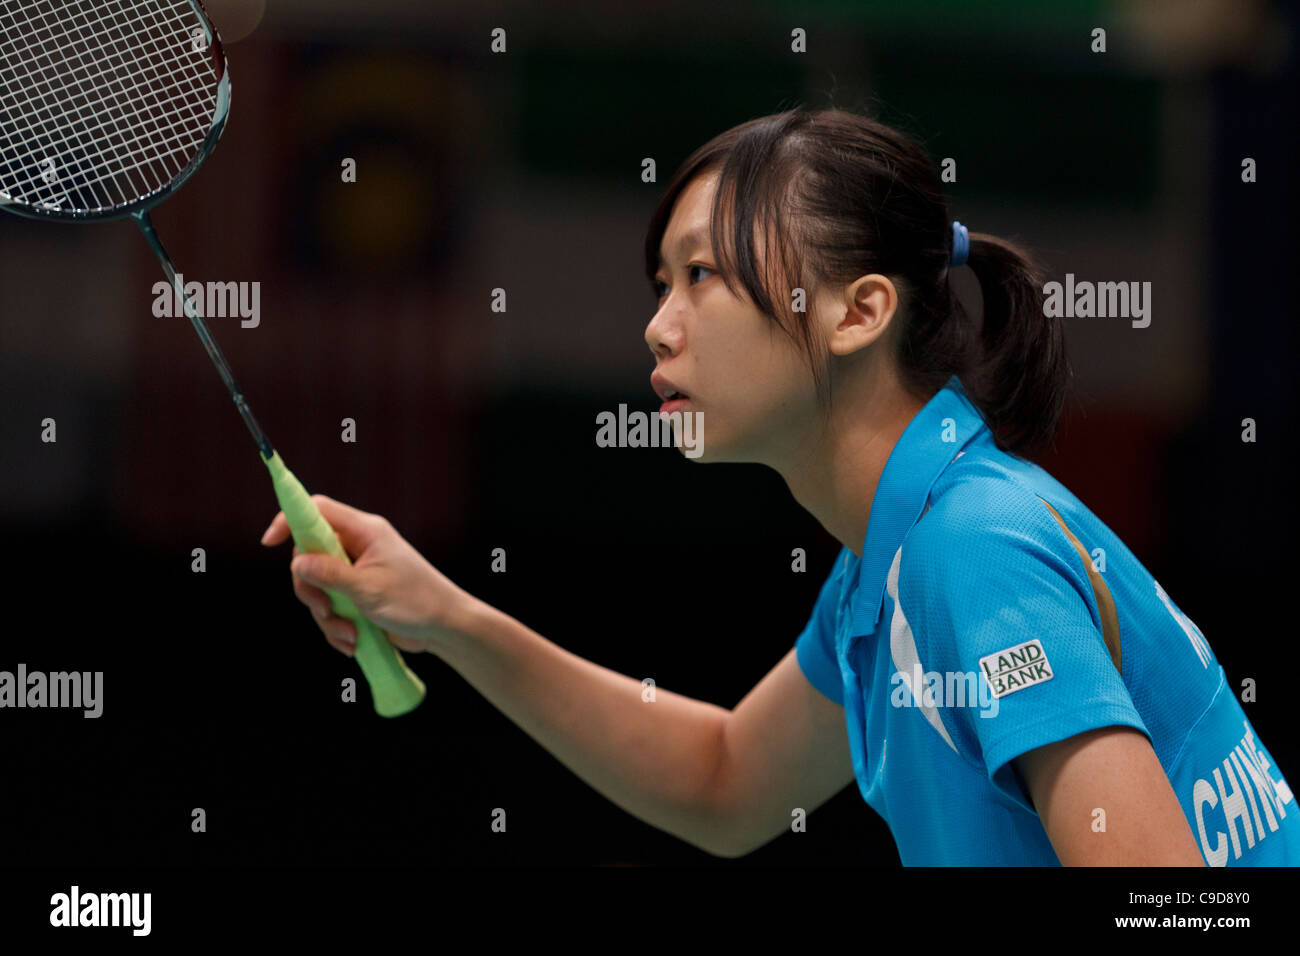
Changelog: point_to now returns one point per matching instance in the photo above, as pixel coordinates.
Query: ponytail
(1016, 372)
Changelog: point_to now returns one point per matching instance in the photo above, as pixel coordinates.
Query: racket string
(133, 99)
(136, 36)
(141, 157)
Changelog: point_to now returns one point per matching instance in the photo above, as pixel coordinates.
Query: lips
(669, 391)
(675, 405)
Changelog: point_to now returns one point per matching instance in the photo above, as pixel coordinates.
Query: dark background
(475, 429)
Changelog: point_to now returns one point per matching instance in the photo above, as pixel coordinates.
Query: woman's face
(747, 380)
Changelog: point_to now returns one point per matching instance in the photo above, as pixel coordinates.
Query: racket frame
(217, 54)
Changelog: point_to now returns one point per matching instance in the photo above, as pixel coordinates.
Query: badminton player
(1004, 680)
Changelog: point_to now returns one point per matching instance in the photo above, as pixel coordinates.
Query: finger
(325, 571)
(310, 594)
(355, 528)
(339, 632)
(277, 531)
(343, 647)
(316, 600)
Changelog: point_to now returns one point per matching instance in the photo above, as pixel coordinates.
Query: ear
(860, 314)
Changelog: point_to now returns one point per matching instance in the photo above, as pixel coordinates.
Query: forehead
(696, 199)
(689, 223)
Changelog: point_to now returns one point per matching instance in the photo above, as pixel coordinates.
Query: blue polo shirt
(992, 613)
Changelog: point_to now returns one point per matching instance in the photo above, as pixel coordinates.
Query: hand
(389, 581)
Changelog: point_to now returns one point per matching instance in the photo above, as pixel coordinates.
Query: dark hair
(838, 195)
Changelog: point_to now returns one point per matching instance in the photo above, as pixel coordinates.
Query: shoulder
(988, 553)
(982, 507)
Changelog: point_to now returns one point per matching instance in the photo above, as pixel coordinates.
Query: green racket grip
(394, 689)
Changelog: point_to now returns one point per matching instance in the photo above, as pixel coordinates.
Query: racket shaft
(394, 688)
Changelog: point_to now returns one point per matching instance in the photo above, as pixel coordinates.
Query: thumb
(325, 571)
(355, 528)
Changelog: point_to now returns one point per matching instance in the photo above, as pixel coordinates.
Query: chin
(714, 446)
(714, 452)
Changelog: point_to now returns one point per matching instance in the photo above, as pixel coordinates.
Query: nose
(663, 335)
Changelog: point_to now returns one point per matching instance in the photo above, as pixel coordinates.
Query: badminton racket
(106, 108)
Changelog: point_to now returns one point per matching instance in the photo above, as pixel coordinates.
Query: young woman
(1003, 678)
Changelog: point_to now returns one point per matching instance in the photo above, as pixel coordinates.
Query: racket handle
(394, 689)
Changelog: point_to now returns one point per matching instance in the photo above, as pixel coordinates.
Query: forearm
(657, 759)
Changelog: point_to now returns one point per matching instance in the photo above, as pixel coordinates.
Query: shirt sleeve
(815, 647)
(994, 588)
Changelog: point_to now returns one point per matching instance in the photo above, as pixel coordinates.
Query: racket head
(106, 109)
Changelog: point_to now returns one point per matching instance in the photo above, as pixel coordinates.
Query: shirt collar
(918, 459)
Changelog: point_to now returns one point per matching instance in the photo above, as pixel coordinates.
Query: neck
(837, 469)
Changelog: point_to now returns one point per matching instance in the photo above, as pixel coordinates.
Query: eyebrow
(692, 238)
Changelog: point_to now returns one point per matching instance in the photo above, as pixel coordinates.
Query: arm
(1113, 768)
(721, 781)
(784, 746)
(657, 760)
(725, 781)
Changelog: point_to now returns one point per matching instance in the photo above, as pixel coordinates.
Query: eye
(661, 288)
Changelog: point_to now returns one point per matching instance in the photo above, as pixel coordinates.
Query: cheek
(752, 365)
(747, 342)
(778, 364)
(769, 383)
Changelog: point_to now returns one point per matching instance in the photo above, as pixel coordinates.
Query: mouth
(676, 403)
(674, 399)
(666, 390)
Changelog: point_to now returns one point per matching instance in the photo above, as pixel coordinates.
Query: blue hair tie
(960, 245)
